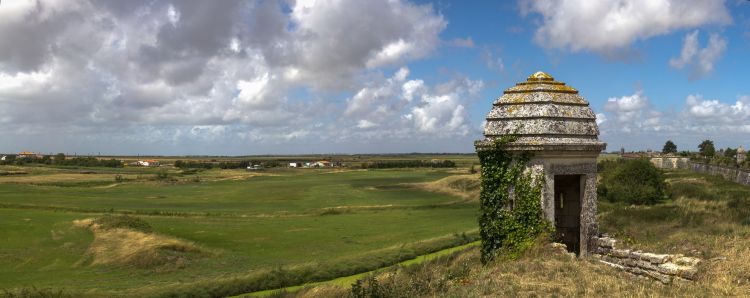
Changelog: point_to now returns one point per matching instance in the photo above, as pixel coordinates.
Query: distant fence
(729, 173)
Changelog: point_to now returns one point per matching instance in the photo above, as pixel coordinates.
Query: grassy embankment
(707, 217)
(218, 232)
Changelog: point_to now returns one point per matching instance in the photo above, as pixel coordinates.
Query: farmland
(233, 230)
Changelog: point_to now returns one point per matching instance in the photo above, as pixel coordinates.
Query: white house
(295, 164)
(255, 167)
(3, 158)
(147, 163)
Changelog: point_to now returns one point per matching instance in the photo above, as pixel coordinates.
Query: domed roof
(545, 114)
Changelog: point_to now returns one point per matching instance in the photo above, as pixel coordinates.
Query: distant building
(323, 164)
(255, 167)
(740, 155)
(28, 154)
(295, 164)
(3, 158)
(147, 163)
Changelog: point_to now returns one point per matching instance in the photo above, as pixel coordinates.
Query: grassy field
(706, 217)
(219, 232)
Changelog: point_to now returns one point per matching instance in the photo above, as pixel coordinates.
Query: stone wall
(671, 162)
(732, 174)
(729, 173)
(662, 267)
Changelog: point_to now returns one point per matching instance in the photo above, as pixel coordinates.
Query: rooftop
(545, 114)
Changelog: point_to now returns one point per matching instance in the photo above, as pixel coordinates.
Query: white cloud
(377, 33)
(412, 89)
(606, 27)
(600, 118)
(632, 122)
(713, 112)
(700, 60)
(631, 113)
(365, 124)
(254, 69)
(442, 114)
(390, 106)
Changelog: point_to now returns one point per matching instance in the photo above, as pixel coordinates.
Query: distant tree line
(61, 160)
(191, 164)
(409, 164)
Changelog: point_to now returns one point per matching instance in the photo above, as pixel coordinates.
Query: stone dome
(546, 115)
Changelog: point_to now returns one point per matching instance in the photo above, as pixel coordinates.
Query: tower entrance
(568, 211)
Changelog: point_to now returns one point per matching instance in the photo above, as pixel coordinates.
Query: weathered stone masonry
(662, 267)
(555, 123)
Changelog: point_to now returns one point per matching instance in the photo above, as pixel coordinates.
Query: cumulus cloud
(632, 121)
(631, 113)
(391, 106)
(712, 114)
(608, 27)
(700, 60)
(251, 70)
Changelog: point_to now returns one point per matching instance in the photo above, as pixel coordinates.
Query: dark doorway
(568, 211)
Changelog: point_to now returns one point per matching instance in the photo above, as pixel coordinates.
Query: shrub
(635, 182)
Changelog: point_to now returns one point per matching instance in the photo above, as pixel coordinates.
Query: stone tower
(557, 126)
(740, 155)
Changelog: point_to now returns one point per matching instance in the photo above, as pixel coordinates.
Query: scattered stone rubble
(665, 268)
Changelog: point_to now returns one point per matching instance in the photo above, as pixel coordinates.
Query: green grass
(299, 193)
(262, 231)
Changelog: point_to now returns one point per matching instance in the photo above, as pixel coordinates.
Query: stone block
(655, 258)
(660, 277)
(635, 255)
(688, 272)
(606, 242)
(643, 264)
(687, 261)
(635, 270)
(669, 268)
(612, 260)
(620, 253)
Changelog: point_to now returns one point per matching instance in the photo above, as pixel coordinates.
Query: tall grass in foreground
(542, 271)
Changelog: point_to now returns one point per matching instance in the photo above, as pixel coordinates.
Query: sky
(251, 77)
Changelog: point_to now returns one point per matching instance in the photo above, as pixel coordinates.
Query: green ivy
(502, 230)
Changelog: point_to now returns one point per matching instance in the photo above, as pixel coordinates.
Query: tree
(669, 147)
(707, 149)
(730, 153)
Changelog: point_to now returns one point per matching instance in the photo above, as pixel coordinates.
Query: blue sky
(307, 76)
